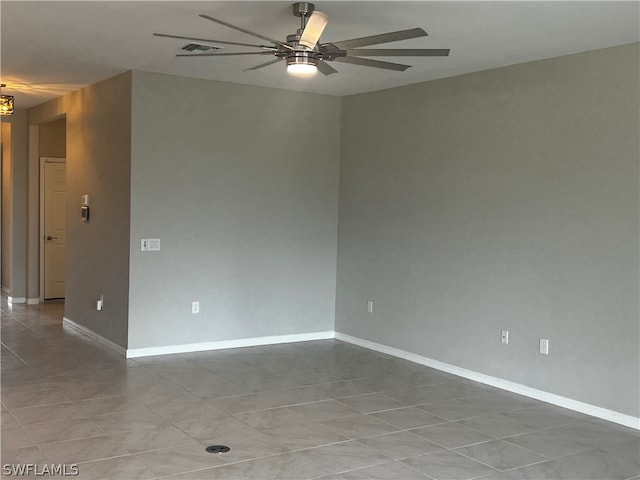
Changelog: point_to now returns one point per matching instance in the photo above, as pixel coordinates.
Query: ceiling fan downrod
(304, 11)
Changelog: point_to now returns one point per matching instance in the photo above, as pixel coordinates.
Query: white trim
(594, 411)
(241, 342)
(96, 336)
(33, 301)
(16, 300)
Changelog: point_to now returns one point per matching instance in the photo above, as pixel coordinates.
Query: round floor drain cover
(218, 449)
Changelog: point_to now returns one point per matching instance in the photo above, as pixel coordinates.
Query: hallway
(321, 409)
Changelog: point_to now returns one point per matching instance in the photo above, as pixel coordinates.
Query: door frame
(43, 161)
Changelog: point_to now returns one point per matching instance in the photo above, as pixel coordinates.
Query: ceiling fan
(303, 53)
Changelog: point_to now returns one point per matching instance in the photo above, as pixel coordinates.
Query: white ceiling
(51, 48)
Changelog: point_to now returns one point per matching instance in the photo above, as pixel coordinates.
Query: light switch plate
(150, 244)
(544, 346)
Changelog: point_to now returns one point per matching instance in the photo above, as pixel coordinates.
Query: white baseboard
(242, 342)
(33, 301)
(586, 408)
(16, 300)
(96, 336)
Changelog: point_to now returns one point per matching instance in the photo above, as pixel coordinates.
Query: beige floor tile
(83, 450)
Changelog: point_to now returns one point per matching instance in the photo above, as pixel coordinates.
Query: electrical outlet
(195, 307)
(505, 337)
(544, 346)
(370, 306)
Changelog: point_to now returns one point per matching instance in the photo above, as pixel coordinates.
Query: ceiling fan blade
(326, 69)
(240, 29)
(270, 62)
(382, 38)
(221, 54)
(399, 52)
(211, 43)
(314, 28)
(365, 62)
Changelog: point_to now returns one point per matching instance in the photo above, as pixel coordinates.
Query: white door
(55, 192)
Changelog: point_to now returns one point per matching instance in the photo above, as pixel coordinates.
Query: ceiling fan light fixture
(302, 64)
(6, 103)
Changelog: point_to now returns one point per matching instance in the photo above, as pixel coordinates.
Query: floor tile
(64, 430)
(359, 426)
(7, 421)
(210, 428)
(553, 442)
(458, 409)
(127, 421)
(597, 435)
(370, 402)
(342, 457)
(245, 442)
(22, 455)
(514, 422)
(119, 468)
(498, 425)
(384, 471)
(153, 439)
(288, 466)
(16, 437)
(274, 417)
(264, 400)
(346, 388)
(432, 393)
(186, 408)
(178, 460)
(501, 455)
(325, 410)
(299, 436)
(400, 445)
(218, 389)
(83, 450)
(33, 398)
(407, 418)
(101, 406)
(99, 390)
(615, 463)
(448, 465)
(45, 413)
(452, 435)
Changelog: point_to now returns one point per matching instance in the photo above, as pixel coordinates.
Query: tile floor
(321, 409)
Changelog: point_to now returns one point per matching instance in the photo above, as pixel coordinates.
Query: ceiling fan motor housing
(300, 57)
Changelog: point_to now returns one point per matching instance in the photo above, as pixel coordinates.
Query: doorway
(53, 193)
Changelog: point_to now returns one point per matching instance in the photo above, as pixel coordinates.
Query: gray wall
(241, 185)
(52, 139)
(14, 210)
(5, 255)
(504, 199)
(98, 149)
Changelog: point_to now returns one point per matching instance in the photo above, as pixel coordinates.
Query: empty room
(354, 240)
